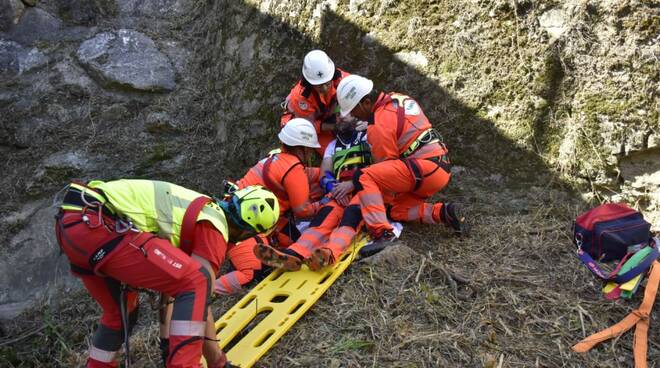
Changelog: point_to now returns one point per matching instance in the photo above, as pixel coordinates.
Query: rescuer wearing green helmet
(160, 236)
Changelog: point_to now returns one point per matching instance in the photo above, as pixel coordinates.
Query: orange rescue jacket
(398, 122)
(285, 176)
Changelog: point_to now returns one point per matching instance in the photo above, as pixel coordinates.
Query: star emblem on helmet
(320, 74)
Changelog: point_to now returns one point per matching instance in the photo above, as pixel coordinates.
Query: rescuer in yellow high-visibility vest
(160, 236)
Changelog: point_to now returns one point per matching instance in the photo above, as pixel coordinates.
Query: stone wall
(571, 84)
(88, 89)
(525, 93)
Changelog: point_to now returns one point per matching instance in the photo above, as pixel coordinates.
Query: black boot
(452, 215)
(385, 239)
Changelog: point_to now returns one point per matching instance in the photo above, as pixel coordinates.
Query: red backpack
(613, 232)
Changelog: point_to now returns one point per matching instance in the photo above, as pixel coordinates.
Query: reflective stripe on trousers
(340, 239)
(101, 356)
(228, 283)
(395, 176)
(187, 328)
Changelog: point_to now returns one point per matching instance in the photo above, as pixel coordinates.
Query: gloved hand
(328, 182)
(343, 189)
(324, 200)
(361, 125)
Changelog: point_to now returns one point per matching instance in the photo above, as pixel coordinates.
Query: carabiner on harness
(99, 213)
(122, 226)
(429, 136)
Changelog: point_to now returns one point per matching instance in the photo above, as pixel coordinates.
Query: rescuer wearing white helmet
(406, 150)
(297, 190)
(314, 96)
(318, 69)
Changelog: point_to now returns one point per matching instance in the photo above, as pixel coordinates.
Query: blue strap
(619, 279)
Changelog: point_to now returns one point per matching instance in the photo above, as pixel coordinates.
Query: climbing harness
(187, 234)
(425, 139)
(90, 202)
(429, 136)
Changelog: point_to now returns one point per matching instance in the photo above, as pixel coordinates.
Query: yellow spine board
(271, 308)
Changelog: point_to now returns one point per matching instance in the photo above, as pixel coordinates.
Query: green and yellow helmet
(254, 208)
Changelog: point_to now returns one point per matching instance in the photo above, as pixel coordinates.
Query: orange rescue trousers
(245, 262)
(333, 228)
(330, 233)
(408, 203)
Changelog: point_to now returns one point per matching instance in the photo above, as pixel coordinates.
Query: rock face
(572, 84)
(33, 267)
(153, 8)
(10, 13)
(85, 12)
(36, 24)
(79, 104)
(129, 59)
(16, 59)
(522, 91)
(160, 16)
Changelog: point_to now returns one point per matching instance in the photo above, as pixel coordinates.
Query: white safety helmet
(351, 90)
(317, 67)
(299, 132)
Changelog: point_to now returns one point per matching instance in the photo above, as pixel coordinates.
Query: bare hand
(361, 125)
(344, 201)
(342, 190)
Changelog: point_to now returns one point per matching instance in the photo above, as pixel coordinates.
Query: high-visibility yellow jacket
(154, 206)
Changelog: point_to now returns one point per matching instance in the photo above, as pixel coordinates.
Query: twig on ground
(584, 331)
(19, 338)
(421, 268)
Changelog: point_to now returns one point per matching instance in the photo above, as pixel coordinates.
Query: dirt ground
(511, 294)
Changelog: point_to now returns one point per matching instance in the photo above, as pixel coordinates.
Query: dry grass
(512, 294)
(495, 299)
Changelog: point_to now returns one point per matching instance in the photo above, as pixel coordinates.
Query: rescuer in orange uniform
(285, 175)
(336, 220)
(314, 97)
(409, 159)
